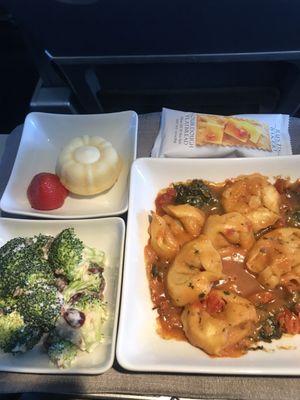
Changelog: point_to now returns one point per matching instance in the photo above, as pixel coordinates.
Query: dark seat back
(214, 56)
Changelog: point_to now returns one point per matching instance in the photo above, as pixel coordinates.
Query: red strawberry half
(46, 192)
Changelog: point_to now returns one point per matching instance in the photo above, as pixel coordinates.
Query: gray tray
(120, 384)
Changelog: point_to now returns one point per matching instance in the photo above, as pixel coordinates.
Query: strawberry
(46, 192)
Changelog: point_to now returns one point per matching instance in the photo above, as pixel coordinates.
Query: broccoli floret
(18, 250)
(88, 276)
(40, 306)
(23, 340)
(13, 254)
(16, 276)
(61, 352)
(82, 323)
(9, 325)
(15, 335)
(12, 247)
(22, 262)
(39, 273)
(40, 245)
(65, 253)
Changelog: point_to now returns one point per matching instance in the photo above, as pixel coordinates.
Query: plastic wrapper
(188, 135)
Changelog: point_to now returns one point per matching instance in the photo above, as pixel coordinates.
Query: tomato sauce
(269, 303)
(239, 280)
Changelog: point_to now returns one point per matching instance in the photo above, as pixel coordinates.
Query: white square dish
(139, 347)
(44, 135)
(106, 234)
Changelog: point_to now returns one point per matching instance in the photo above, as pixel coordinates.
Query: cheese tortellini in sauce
(196, 267)
(228, 266)
(275, 257)
(214, 331)
(254, 197)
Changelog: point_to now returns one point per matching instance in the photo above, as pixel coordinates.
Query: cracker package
(187, 134)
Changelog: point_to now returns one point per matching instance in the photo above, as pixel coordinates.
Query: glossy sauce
(239, 279)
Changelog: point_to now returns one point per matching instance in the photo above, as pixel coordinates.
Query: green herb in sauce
(196, 193)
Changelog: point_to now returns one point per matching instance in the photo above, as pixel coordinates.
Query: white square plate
(44, 135)
(139, 347)
(106, 234)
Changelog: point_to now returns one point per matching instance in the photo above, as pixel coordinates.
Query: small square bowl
(44, 135)
(106, 234)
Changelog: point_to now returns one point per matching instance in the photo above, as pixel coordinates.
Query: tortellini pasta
(229, 229)
(214, 332)
(227, 266)
(193, 271)
(275, 257)
(254, 197)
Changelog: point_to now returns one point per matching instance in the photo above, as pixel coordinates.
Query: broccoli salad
(51, 288)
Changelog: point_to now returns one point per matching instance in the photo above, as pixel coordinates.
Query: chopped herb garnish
(195, 193)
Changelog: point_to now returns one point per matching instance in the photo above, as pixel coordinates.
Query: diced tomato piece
(214, 303)
(165, 198)
(289, 322)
